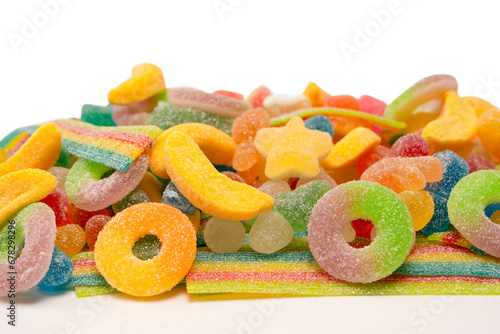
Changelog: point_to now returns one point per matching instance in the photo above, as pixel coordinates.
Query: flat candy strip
(309, 112)
(205, 187)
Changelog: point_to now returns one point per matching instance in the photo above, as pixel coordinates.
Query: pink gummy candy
(411, 145)
(371, 105)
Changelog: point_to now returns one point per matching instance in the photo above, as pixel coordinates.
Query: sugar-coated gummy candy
(218, 146)
(257, 96)
(474, 147)
(321, 123)
(371, 105)
(233, 176)
(58, 202)
(292, 151)
(323, 175)
(128, 274)
(93, 227)
(138, 113)
(440, 220)
(81, 217)
(3, 155)
(214, 103)
(146, 80)
(173, 197)
(146, 247)
(18, 189)
(424, 90)
(86, 190)
(341, 102)
(479, 105)
(410, 145)
(136, 196)
(70, 239)
(350, 148)
(454, 169)
(315, 94)
(466, 205)
(224, 236)
(456, 126)
(491, 209)
(97, 115)
(270, 233)
(152, 187)
(296, 206)
(40, 151)
(275, 187)
(231, 94)
(479, 162)
(35, 226)
(64, 160)
(279, 104)
(371, 157)
(166, 115)
(205, 187)
(368, 200)
(489, 131)
(420, 205)
(60, 270)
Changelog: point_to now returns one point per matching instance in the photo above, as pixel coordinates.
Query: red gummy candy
(94, 225)
(342, 102)
(362, 227)
(257, 96)
(58, 202)
(81, 216)
(479, 162)
(371, 157)
(371, 105)
(411, 145)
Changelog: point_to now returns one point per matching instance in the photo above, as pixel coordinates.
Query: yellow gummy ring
(128, 274)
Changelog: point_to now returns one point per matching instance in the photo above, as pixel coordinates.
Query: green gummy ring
(365, 200)
(466, 209)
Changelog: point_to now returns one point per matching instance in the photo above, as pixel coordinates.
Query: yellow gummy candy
(420, 205)
(40, 151)
(456, 126)
(146, 81)
(348, 150)
(293, 150)
(152, 187)
(215, 144)
(3, 155)
(18, 189)
(315, 94)
(206, 188)
(480, 106)
(489, 131)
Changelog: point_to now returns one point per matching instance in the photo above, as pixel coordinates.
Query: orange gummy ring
(128, 274)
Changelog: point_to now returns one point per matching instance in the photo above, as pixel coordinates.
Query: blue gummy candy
(320, 123)
(439, 221)
(60, 270)
(454, 169)
(491, 209)
(173, 197)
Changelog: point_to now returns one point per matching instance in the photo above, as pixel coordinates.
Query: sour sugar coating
(245, 129)
(35, 227)
(489, 131)
(138, 113)
(93, 227)
(411, 145)
(371, 157)
(315, 94)
(323, 175)
(454, 169)
(87, 191)
(275, 187)
(81, 217)
(371, 105)
(440, 220)
(420, 205)
(61, 174)
(321, 123)
(479, 162)
(128, 274)
(280, 104)
(215, 144)
(270, 233)
(367, 200)
(224, 236)
(152, 187)
(58, 202)
(342, 102)
(97, 115)
(217, 104)
(136, 196)
(18, 189)
(479, 105)
(293, 151)
(41, 151)
(296, 206)
(173, 197)
(166, 115)
(211, 192)
(70, 239)
(60, 270)
(234, 177)
(429, 88)
(466, 207)
(257, 96)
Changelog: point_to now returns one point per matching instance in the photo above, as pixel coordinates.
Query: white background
(87, 47)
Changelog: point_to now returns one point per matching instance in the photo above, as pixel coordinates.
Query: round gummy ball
(410, 145)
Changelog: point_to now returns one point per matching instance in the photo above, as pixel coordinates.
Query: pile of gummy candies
(166, 166)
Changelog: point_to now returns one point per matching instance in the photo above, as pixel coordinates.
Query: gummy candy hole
(108, 173)
(359, 233)
(147, 247)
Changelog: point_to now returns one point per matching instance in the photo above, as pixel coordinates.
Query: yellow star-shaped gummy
(293, 150)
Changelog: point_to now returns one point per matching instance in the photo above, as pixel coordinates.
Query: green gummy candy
(64, 160)
(166, 115)
(296, 206)
(135, 197)
(147, 247)
(82, 172)
(97, 115)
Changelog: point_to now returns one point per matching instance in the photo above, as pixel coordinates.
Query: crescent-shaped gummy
(147, 80)
(40, 151)
(215, 144)
(205, 187)
(18, 189)
(35, 227)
